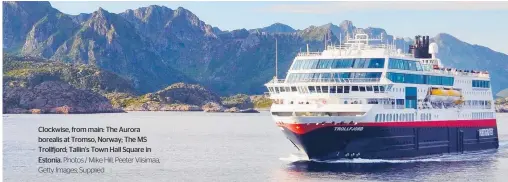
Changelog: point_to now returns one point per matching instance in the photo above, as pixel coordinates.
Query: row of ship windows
(328, 89)
(403, 90)
(481, 84)
(401, 117)
(318, 114)
(338, 63)
(477, 93)
(298, 77)
(477, 102)
(347, 89)
(426, 116)
(399, 103)
(420, 79)
(482, 115)
(356, 63)
(476, 83)
(386, 117)
(404, 65)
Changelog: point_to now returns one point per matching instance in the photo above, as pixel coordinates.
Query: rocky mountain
(30, 71)
(18, 19)
(277, 28)
(176, 97)
(456, 53)
(156, 46)
(34, 85)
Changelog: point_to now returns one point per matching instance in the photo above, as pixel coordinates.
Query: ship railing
(277, 81)
(335, 80)
(361, 46)
(309, 54)
(461, 73)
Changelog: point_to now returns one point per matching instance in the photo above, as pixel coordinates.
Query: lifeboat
(446, 95)
(444, 92)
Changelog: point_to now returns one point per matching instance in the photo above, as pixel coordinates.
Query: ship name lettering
(348, 129)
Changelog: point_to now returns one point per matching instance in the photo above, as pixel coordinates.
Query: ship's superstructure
(367, 100)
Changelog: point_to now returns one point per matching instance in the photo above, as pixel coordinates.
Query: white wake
(469, 156)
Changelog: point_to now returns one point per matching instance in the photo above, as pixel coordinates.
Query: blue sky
(483, 23)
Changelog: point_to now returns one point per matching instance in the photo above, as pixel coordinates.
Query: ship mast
(276, 58)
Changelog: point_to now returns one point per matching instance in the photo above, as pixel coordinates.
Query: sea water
(197, 146)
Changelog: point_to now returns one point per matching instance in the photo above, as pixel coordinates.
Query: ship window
(354, 88)
(304, 89)
(339, 89)
(418, 66)
(369, 88)
(318, 89)
(362, 88)
(333, 89)
(396, 117)
(312, 89)
(389, 117)
(376, 89)
(293, 89)
(314, 64)
(325, 89)
(381, 89)
(322, 64)
(346, 89)
(376, 63)
(276, 89)
(377, 117)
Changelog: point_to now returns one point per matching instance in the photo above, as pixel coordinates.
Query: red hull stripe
(304, 128)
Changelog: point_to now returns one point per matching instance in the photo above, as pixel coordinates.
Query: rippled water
(195, 146)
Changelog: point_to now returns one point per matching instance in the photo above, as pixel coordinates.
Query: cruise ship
(367, 99)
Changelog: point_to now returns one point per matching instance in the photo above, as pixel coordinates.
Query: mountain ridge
(156, 46)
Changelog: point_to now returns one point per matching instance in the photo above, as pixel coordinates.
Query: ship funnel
(433, 49)
(420, 49)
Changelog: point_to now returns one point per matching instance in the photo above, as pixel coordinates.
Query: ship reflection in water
(435, 168)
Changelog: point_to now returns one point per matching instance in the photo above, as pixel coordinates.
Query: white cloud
(336, 7)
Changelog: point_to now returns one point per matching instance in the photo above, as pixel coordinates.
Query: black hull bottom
(389, 142)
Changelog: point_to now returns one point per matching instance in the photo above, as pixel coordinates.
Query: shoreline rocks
(212, 107)
(54, 97)
(57, 97)
(155, 106)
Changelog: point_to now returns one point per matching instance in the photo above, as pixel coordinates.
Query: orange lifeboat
(446, 95)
